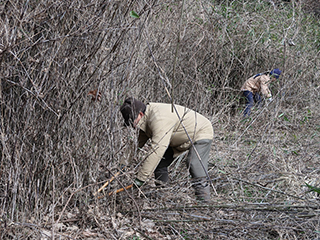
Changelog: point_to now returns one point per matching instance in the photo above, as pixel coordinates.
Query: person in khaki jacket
(258, 84)
(167, 132)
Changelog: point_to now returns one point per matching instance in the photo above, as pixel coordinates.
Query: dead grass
(58, 146)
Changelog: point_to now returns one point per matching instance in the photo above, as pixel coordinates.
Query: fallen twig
(240, 207)
(270, 189)
(120, 189)
(137, 230)
(106, 184)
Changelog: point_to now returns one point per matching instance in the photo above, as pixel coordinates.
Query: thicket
(57, 144)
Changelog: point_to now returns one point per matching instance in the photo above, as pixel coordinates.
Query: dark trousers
(250, 100)
(197, 170)
(161, 172)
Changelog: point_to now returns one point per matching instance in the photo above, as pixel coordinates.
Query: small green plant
(313, 188)
(185, 234)
(248, 192)
(135, 238)
(134, 14)
(284, 117)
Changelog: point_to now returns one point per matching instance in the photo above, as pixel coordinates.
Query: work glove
(137, 183)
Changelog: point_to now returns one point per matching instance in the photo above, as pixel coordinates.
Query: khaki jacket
(259, 84)
(164, 128)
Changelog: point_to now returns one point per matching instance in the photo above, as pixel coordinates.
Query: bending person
(258, 84)
(169, 139)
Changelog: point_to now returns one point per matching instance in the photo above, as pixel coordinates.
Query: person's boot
(161, 175)
(202, 189)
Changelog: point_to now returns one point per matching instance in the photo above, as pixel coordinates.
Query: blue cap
(276, 73)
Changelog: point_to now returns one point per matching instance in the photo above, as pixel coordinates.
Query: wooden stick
(117, 191)
(121, 189)
(106, 184)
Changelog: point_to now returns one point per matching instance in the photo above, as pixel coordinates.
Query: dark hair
(276, 73)
(130, 110)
